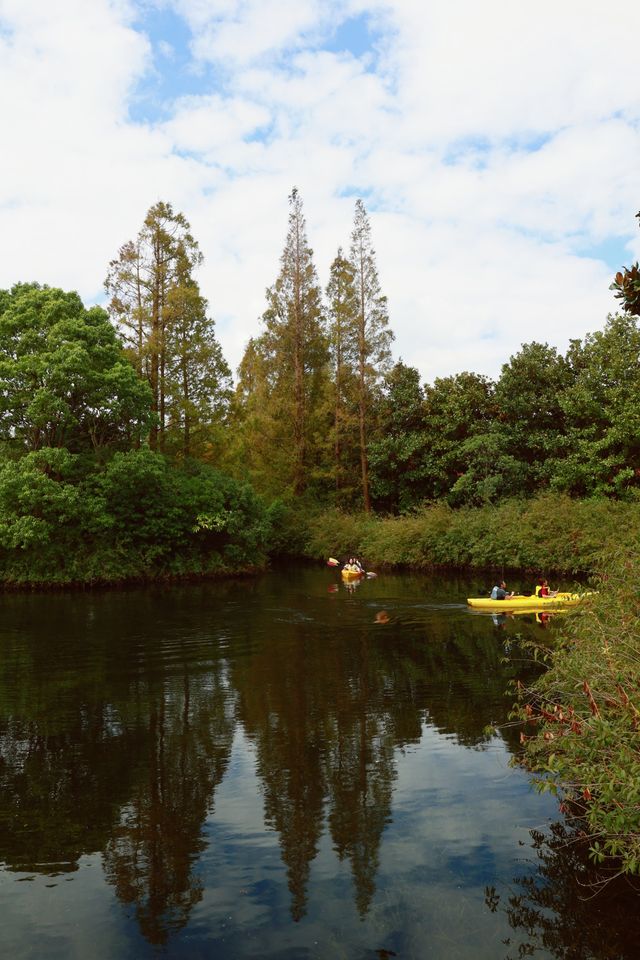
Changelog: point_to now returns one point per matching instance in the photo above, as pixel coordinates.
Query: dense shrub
(551, 532)
(64, 519)
(583, 718)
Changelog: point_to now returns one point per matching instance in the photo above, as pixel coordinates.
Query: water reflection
(564, 907)
(119, 714)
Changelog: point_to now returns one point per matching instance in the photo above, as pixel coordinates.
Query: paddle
(332, 562)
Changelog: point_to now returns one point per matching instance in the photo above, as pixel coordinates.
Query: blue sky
(496, 146)
(172, 74)
(175, 73)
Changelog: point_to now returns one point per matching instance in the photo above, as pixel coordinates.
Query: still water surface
(278, 768)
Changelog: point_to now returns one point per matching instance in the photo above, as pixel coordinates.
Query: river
(282, 768)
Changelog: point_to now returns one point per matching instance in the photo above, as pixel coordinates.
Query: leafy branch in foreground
(627, 286)
(585, 716)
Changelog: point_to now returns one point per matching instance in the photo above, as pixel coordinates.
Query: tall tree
(342, 315)
(286, 365)
(197, 377)
(255, 447)
(139, 283)
(373, 336)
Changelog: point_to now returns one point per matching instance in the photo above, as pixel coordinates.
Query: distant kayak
(352, 574)
(527, 603)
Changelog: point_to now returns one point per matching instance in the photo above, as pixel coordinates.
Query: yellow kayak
(527, 603)
(351, 574)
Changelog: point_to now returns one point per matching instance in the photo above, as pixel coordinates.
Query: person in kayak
(542, 589)
(499, 592)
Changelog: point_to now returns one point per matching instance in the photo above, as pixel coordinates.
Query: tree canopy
(111, 423)
(64, 379)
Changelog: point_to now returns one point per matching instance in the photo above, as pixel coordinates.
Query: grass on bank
(551, 533)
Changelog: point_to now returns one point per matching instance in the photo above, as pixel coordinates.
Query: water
(278, 768)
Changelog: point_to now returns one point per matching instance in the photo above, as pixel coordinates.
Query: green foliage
(64, 380)
(371, 335)
(187, 520)
(319, 535)
(198, 379)
(530, 418)
(156, 302)
(550, 532)
(491, 471)
(397, 455)
(283, 373)
(583, 715)
(602, 409)
(459, 409)
(498, 440)
(627, 287)
(40, 498)
(343, 437)
(65, 521)
(569, 424)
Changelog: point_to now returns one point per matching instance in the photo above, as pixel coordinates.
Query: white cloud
(214, 125)
(498, 68)
(494, 145)
(238, 32)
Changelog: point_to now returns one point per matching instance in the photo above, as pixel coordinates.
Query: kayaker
(499, 592)
(542, 589)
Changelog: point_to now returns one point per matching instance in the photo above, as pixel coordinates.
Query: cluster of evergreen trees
(319, 407)
(318, 410)
(162, 317)
(309, 383)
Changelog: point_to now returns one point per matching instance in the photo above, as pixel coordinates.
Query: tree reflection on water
(118, 715)
(567, 909)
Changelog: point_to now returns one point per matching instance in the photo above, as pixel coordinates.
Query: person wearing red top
(542, 589)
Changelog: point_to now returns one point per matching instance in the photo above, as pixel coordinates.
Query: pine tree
(373, 336)
(342, 314)
(288, 362)
(139, 283)
(197, 377)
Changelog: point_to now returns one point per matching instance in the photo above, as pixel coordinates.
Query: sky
(496, 146)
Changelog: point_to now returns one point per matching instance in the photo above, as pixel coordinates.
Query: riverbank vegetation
(99, 482)
(550, 532)
(582, 719)
(126, 451)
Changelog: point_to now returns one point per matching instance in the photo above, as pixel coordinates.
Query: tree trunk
(337, 412)
(362, 399)
(185, 399)
(364, 460)
(299, 416)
